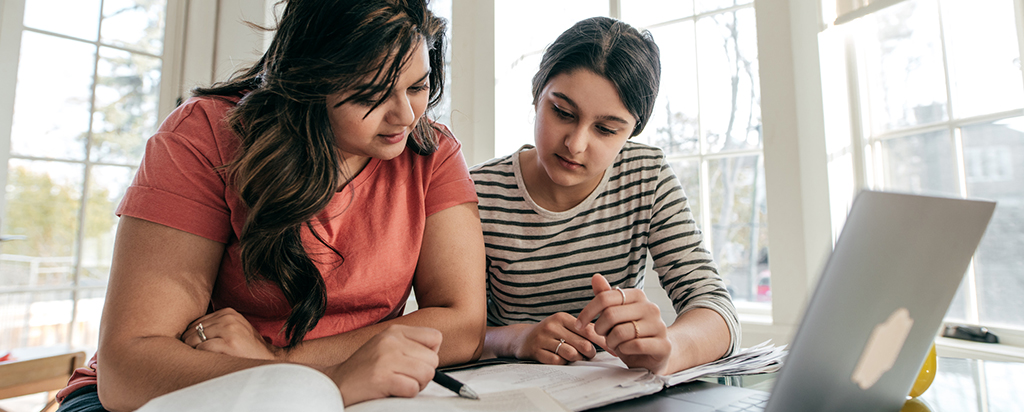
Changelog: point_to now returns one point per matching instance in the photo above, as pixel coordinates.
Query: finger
(622, 333)
(403, 385)
(582, 349)
(616, 316)
(600, 306)
(642, 311)
(191, 335)
(599, 284)
(604, 297)
(654, 347)
(546, 354)
(429, 337)
(419, 370)
(215, 345)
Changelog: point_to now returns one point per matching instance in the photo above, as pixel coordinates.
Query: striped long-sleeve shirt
(540, 262)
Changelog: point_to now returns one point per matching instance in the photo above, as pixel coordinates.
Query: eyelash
(562, 114)
(370, 102)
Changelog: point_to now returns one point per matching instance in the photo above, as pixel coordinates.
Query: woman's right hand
(554, 341)
(399, 361)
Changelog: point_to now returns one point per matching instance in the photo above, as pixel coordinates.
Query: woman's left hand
(629, 324)
(227, 331)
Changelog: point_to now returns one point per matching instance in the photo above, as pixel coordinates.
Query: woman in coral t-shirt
(284, 216)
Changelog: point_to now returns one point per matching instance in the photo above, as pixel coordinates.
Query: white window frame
(189, 58)
(848, 123)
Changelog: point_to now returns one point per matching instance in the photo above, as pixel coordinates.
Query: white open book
(531, 386)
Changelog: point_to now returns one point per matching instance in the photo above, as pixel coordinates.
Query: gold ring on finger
(636, 330)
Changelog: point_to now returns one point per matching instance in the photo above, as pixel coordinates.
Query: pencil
(453, 385)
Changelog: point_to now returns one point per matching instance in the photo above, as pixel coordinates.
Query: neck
(546, 193)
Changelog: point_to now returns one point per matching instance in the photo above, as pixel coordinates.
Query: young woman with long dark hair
(284, 217)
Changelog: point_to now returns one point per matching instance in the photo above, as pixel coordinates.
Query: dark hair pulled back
(613, 49)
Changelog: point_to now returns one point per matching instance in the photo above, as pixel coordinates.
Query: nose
(576, 140)
(400, 111)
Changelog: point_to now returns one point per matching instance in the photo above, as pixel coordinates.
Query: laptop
(874, 314)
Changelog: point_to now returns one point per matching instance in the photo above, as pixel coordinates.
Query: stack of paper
(760, 358)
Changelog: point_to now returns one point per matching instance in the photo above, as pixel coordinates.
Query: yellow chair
(49, 374)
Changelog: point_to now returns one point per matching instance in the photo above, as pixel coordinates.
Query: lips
(568, 164)
(393, 138)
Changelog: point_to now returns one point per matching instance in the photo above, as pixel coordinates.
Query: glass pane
(442, 113)
(902, 56)
(688, 173)
(127, 89)
(954, 373)
(51, 104)
(739, 226)
(517, 55)
(1003, 380)
(43, 200)
(511, 41)
(75, 18)
(513, 104)
(674, 125)
(730, 91)
(134, 24)
(86, 334)
(34, 319)
(704, 6)
(923, 164)
(994, 164)
(106, 187)
(641, 13)
(983, 79)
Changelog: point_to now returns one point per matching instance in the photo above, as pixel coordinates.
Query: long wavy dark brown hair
(287, 168)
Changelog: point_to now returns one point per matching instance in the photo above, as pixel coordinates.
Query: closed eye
(562, 114)
(420, 87)
(606, 131)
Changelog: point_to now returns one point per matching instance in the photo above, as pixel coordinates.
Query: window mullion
(12, 14)
(76, 272)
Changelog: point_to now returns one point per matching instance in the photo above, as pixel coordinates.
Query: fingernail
(579, 325)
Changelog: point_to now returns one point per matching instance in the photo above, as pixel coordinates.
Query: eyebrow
(367, 86)
(604, 117)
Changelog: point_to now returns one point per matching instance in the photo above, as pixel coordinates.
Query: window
(708, 121)
(941, 103)
(85, 96)
(442, 113)
(707, 118)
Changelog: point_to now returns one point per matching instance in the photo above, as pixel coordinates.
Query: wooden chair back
(49, 374)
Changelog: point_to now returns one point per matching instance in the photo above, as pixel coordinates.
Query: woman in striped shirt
(568, 223)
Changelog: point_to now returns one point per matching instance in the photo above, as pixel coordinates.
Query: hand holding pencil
(399, 361)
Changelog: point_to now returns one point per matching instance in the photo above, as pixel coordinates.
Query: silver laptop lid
(879, 302)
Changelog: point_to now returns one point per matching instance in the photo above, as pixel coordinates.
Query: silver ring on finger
(560, 342)
(201, 332)
(623, 295)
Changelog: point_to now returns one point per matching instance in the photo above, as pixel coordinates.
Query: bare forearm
(501, 339)
(463, 338)
(132, 372)
(698, 336)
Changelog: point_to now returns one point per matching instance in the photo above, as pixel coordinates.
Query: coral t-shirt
(376, 222)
